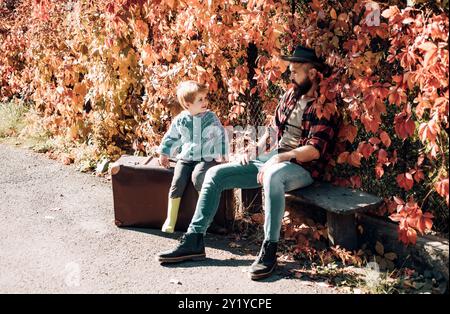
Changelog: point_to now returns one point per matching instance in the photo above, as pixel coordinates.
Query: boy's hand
(164, 161)
(220, 159)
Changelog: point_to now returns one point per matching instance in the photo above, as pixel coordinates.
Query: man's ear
(312, 74)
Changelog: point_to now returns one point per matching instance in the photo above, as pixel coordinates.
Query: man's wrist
(286, 156)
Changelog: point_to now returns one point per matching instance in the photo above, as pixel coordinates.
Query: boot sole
(196, 257)
(263, 275)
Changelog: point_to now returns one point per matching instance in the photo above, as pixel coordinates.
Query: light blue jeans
(278, 179)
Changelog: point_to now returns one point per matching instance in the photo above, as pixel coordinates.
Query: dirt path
(58, 236)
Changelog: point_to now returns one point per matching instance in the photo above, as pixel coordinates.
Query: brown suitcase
(140, 191)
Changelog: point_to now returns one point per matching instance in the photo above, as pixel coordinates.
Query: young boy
(198, 140)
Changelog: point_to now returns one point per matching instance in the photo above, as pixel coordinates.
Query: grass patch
(12, 118)
(19, 125)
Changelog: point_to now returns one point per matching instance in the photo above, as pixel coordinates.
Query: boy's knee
(197, 180)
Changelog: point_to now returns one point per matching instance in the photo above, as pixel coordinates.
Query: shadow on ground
(284, 270)
(215, 241)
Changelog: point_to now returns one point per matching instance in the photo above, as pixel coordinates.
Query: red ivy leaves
(442, 188)
(430, 50)
(385, 138)
(404, 125)
(348, 132)
(353, 158)
(418, 175)
(379, 171)
(383, 157)
(428, 131)
(356, 182)
(342, 158)
(366, 149)
(405, 181)
(410, 218)
(417, 42)
(325, 110)
(371, 122)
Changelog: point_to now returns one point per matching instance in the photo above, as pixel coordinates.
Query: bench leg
(342, 230)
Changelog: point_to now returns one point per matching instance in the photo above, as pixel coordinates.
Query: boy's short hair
(187, 90)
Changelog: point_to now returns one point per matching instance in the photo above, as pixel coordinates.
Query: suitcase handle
(146, 161)
(149, 158)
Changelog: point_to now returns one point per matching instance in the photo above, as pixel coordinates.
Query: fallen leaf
(67, 160)
(409, 284)
(389, 264)
(390, 256)
(379, 248)
(360, 229)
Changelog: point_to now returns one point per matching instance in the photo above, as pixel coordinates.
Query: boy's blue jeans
(278, 179)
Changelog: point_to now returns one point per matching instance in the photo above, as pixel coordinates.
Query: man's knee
(216, 172)
(273, 178)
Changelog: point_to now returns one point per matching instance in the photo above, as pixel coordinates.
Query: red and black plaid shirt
(316, 132)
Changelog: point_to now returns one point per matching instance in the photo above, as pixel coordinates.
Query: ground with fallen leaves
(58, 236)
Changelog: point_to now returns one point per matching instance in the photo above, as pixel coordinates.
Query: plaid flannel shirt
(319, 133)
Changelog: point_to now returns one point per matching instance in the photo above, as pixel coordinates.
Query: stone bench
(341, 204)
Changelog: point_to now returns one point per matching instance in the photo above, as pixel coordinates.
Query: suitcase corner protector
(118, 223)
(115, 169)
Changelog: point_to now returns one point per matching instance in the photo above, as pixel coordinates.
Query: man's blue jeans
(278, 179)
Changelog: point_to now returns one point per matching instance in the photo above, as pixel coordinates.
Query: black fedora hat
(305, 55)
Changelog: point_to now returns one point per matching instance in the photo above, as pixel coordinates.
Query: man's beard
(303, 87)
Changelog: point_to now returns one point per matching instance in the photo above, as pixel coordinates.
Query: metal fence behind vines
(250, 125)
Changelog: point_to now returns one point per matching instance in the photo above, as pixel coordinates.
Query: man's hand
(164, 161)
(276, 159)
(246, 156)
(272, 161)
(253, 150)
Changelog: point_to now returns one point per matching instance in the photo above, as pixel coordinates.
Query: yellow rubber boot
(172, 214)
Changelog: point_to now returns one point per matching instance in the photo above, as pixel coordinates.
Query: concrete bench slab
(341, 204)
(337, 199)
